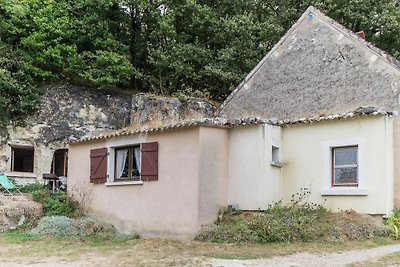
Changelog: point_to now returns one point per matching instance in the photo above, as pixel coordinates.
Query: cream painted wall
(213, 173)
(164, 208)
(79, 187)
(396, 159)
(253, 181)
(306, 165)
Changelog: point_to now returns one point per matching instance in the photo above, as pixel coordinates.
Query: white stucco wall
(253, 181)
(306, 163)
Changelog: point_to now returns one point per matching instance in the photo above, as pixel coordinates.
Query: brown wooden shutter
(98, 165)
(149, 168)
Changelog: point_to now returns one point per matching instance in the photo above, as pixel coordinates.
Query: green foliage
(181, 47)
(29, 188)
(298, 221)
(55, 204)
(394, 222)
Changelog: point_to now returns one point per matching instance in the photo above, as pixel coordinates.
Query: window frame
(334, 166)
(131, 149)
(27, 147)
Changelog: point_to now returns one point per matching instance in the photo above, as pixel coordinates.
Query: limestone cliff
(69, 112)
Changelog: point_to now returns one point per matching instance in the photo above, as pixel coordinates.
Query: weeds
(29, 188)
(297, 221)
(394, 222)
(54, 204)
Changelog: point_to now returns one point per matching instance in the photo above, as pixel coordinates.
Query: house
(318, 113)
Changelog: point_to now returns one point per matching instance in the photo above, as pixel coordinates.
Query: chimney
(361, 34)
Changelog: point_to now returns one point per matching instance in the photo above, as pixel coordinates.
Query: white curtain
(136, 151)
(122, 156)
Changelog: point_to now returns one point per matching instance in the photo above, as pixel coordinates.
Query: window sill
(124, 183)
(21, 174)
(344, 192)
(276, 164)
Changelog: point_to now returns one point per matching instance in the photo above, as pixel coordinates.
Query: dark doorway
(59, 165)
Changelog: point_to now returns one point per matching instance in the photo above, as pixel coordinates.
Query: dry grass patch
(294, 222)
(388, 260)
(17, 247)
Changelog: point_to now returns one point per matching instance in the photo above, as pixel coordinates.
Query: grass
(388, 260)
(280, 230)
(17, 246)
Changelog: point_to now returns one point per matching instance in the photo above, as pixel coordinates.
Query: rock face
(69, 112)
(15, 210)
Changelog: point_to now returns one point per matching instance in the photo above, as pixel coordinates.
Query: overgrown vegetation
(165, 47)
(55, 226)
(54, 204)
(62, 218)
(394, 222)
(297, 221)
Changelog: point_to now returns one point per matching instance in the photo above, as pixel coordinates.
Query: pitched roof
(230, 123)
(310, 13)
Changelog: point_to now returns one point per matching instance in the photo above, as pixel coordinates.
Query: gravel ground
(308, 259)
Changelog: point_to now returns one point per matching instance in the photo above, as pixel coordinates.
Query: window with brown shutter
(98, 165)
(149, 161)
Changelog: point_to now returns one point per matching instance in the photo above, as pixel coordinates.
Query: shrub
(298, 221)
(53, 226)
(29, 188)
(56, 203)
(82, 226)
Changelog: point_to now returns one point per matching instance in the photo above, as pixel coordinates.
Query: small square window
(127, 163)
(275, 154)
(22, 159)
(345, 166)
(275, 157)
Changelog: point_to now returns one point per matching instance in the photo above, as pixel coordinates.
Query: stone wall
(319, 67)
(69, 112)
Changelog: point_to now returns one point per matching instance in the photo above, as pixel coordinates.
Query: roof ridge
(264, 59)
(380, 52)
(311, 9)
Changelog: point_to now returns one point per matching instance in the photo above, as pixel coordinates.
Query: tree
(191, 47)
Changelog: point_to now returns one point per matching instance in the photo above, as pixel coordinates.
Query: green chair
(7, 187)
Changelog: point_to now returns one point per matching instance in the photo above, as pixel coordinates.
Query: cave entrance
(59, 165)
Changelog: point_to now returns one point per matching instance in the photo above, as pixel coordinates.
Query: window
(123, 165)
(345, 166)
(22, 159)
(275, 154)
(127, 163)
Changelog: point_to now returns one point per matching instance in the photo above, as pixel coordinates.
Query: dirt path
(308, 259)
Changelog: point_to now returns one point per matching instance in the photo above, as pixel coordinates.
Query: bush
(83, 226)
(29, 188)
(297, 221)
(53, 226)
(56, 203)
